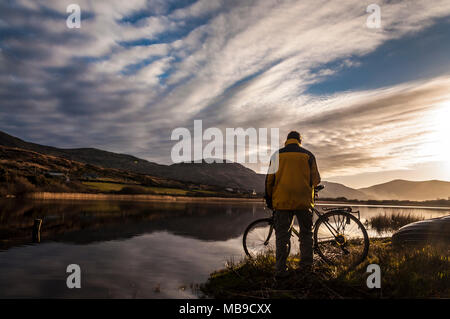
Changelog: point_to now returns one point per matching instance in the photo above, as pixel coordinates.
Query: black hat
(294, 134)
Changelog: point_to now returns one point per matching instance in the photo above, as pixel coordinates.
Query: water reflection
(142, 250)
(156, 265)
(368, 212)
(86, 222)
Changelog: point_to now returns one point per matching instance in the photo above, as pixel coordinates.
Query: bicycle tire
(264, 222)
(325, 218)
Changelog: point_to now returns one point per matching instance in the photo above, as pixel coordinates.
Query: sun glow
(434, 145)
(440, 137)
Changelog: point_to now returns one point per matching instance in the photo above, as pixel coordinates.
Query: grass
(169, 191)
(422, 272)
(392, 222)
(122, 188)
(104, 187)
(117, 187)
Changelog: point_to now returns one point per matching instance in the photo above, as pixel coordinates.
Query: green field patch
(116, 187)
(166, 191)
(105, 187)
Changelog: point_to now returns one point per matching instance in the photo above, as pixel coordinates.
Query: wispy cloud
(137, 69)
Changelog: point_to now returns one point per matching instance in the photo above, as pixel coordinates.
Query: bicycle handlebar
(318, 188)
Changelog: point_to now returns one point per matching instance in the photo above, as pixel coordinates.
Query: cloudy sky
(372, 104)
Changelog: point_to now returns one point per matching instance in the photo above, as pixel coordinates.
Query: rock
(435, 230)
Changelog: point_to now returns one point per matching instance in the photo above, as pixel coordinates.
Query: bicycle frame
(297, 233)
(319, 215)
(334, 231)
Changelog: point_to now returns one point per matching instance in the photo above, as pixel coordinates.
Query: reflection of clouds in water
(135, 266)
(367, 213)
(118, 269)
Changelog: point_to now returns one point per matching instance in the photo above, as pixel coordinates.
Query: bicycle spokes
(340, 239)
(269, 235)
(259, 239)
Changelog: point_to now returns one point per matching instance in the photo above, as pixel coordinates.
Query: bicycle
(339, 238)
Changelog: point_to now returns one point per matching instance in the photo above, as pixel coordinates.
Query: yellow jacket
(291, 179)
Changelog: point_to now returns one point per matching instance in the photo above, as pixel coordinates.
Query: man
(290, 183)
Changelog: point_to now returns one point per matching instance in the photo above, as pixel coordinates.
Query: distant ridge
(232, 175)
(409, 190)
(335, 190)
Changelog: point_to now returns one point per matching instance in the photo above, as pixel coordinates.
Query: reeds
(392, 222)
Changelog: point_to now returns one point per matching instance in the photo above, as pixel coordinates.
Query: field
(24, 172)
(116, 187)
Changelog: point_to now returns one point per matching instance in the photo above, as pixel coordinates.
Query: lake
(129, 249)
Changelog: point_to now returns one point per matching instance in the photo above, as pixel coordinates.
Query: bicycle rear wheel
(259, 238)
(340, 239)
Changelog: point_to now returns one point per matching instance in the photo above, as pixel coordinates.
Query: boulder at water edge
(435, 230)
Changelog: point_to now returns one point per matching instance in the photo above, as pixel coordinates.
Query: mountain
(91, 156)
(409, 190)
(335, 190)
(232, 175)
(23, 171)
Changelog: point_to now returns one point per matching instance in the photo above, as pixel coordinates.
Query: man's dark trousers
(282, 222)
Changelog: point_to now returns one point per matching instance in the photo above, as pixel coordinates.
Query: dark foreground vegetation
(408, 272)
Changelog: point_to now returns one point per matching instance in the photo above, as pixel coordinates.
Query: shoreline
(136, 197)
(425, 268)
(181, 198)
(331, 203)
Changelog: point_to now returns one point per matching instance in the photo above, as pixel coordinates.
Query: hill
(409, 190)
(91, 156)
(221, 175)
(24, 171)
(335, 190)
(232, 175)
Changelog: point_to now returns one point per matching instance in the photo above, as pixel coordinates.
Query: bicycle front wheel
(341, 239)
(259, 238)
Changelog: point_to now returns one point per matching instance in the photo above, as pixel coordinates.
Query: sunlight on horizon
(439, 147)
